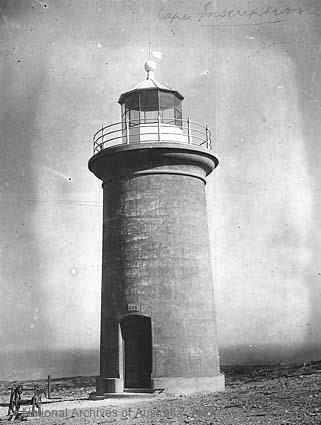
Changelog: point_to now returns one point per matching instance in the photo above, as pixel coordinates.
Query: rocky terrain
(279, 394)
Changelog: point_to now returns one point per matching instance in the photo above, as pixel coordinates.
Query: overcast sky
(251, 71)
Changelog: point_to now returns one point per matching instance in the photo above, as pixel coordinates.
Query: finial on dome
(150, 67)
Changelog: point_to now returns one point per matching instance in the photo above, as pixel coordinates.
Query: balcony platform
(135, 159)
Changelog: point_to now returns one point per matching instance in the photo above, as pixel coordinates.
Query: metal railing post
(127, 130)
(49, 386)
(189, 130)
(102, 138)
(158, 126)
(206, 129)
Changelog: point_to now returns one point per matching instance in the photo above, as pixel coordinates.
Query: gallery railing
(152, 130)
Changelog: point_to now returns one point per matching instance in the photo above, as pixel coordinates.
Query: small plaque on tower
(133, 307)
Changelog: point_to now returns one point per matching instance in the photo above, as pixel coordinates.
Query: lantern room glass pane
(149, 100)
(178, 118)
(168, 100)
(149, 116)
(132, 101)
(133, 118)
(167, 116)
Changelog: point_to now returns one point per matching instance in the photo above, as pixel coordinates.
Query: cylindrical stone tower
(158, 327)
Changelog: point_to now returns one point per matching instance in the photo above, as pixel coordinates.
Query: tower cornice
(152, 158)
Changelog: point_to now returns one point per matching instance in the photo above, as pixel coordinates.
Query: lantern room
(150, 101)
(151, 113)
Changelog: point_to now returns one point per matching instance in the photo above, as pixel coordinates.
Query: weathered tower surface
(158, 327)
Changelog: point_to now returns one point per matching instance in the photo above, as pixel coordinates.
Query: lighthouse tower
(158, 328)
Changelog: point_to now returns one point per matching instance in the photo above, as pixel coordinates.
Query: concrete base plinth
(114, 388)
(178, 385)
(109, 385)
(124, 395)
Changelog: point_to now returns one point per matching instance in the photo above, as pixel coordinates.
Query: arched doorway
(137, 337)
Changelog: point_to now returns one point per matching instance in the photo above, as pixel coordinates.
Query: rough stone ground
(281, 394)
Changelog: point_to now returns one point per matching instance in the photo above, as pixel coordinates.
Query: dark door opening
(137, 336)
